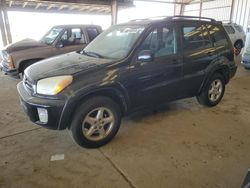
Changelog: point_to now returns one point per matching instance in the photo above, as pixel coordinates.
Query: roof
(76, 25)
(158, 19)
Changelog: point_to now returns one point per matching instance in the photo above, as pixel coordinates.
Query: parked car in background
(128, 67)
(245, 60)
(237, 35)
(16, 57)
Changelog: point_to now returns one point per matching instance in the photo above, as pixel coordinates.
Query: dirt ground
(180, 145)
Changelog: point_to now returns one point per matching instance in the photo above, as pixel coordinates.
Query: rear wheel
(213, 92)
(238, 46)
(96, 122)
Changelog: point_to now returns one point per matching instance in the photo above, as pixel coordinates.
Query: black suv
(126, 68)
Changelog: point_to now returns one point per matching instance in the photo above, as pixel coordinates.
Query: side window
(92, 33)
(78, 35)
(195, 37)
(161, 42)
(217, 35)
(229, 29)
(73, 36)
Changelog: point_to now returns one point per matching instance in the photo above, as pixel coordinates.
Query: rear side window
(195, 37)
(92, 33)
(217, 34)
(229, 29)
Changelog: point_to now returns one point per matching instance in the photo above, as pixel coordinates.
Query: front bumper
(57, 113)
(13, 72)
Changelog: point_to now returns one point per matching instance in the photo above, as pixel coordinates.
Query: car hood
(23, 45)
(67, 64)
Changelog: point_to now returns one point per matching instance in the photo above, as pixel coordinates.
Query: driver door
(157, 81)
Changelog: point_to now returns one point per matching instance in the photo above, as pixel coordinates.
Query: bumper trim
(54, 108)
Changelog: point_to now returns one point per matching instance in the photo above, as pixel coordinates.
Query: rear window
(217, 34)
(195, 37)
(229, 29)
(238, 28)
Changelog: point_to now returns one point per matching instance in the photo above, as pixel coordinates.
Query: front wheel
(213, 92)
(96, 122)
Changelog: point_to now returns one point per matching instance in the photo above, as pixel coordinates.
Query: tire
(206, 96)
(238, 47)
(98, 111)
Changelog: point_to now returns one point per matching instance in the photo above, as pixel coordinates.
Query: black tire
(204, 98)
(238, 46)
(81, 113)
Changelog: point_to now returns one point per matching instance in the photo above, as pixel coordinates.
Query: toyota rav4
(126, 68)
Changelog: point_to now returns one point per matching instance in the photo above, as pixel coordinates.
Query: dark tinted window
(195, 37)
(92, 33)
(217, 35)
(229, 29)
(161, 41)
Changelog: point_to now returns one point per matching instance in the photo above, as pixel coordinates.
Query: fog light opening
(43, 115)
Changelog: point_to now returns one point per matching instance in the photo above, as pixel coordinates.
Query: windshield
(114, 43)
(51, 36)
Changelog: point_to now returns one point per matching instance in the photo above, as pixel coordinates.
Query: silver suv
(237, 36)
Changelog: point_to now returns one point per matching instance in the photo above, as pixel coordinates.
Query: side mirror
(59, 44)
(145, 56)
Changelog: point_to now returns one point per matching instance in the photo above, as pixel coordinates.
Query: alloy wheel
(98, 123)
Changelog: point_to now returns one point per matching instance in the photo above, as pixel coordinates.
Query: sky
(35, 25)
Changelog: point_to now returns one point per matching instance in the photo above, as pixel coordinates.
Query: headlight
(10, 62)
(8, 59)
(53, 85)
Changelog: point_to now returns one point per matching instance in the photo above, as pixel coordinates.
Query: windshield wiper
(92, 54)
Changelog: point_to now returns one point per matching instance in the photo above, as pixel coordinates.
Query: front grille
(28, 84)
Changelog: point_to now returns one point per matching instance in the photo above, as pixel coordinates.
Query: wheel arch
(116, 94)
(223, 70)
(240, 41)
(27, 61)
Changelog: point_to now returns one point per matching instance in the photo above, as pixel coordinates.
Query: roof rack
(190, 17)
(173, 17)
(150, 18)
